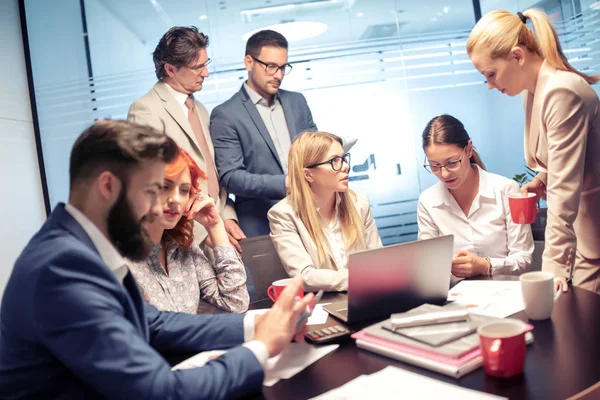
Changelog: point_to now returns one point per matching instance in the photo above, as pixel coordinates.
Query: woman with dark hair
(471, 204)
(178, 276)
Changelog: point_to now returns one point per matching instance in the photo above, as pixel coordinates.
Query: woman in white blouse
(320, 221)
(470, 204)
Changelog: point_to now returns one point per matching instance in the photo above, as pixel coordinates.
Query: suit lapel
(533, 115)
(133, 303)
(260, 125)
(288, 112)
(175, 111)
(137, 309)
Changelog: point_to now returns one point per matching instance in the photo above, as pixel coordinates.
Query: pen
(308, 310)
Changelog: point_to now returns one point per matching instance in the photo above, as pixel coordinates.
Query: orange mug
(503, 347)
(274, 291)
(523, 209)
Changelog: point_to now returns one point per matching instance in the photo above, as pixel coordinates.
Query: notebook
(436, 334)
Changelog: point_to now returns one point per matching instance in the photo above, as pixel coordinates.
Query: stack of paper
(498, 299)
(449, 354)
(396, 383)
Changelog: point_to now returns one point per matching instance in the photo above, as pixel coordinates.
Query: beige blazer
(562, 142)
(159, 109)
(298, 252)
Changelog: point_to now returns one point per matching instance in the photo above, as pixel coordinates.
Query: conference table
(563, 360)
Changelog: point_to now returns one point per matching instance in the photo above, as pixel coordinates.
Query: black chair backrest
(263, 266)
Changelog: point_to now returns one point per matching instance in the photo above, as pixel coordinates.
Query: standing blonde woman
(562, 133)
(321, 221)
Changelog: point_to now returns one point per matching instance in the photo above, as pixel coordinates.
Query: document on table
(292, 360)
(395, 383)
(491, 298)
(319, 316)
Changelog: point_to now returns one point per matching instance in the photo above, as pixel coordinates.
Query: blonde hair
(499, 31)
(307, 149)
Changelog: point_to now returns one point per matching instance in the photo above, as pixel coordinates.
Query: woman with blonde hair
(178, 276)
(321, 220)
(562, 133)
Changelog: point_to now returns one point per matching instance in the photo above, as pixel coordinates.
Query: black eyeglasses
(336, 162)
(272, 69)
(450, 166)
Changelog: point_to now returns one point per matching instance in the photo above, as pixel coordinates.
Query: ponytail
(549, 45)
(475, 159)
(499, 31)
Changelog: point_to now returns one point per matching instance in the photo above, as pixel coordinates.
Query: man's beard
(127, 234)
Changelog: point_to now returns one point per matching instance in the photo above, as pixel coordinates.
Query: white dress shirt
(116, 263)
(274, 119)
(488, 229)
(335, 237)
(180, 98)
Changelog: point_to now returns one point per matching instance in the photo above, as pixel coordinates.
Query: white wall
(114, 49)
(20, 192)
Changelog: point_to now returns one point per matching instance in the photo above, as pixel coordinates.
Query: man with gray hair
(181, 65)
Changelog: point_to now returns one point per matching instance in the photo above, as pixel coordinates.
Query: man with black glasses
(253, 130)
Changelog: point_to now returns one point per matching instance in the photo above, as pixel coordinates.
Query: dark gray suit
(246, 157)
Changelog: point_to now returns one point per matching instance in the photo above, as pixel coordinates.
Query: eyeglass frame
(200, 68)
(267, 65)
(345, 159)
(430, 170)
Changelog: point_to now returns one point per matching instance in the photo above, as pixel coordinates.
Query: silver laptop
(395, 279)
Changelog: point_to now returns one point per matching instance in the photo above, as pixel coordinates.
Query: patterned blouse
(192, 279)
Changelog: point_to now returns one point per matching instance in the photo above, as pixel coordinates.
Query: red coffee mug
(523, 209)
(503, 347)
(274, 291)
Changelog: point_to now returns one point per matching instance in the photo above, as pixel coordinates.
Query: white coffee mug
(538, 294)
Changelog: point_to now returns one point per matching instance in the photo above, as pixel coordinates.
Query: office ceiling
(226, 21)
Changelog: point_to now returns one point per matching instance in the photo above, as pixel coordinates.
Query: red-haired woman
(178, 276)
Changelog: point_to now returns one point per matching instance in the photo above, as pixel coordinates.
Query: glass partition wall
(378, 70)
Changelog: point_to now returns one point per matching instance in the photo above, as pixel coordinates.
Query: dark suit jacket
(69, 329)
(246, 157)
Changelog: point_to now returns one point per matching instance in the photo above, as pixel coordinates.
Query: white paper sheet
(292, 360)
(395, 383)
(319, 316)
(498, 299)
